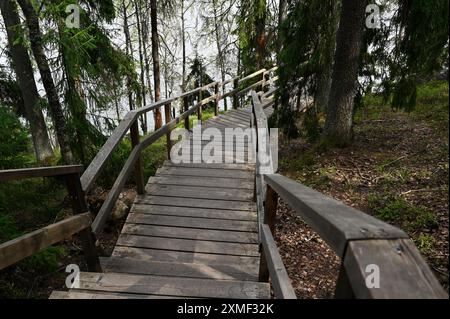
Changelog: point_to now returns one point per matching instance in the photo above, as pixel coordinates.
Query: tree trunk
(324, 78)
(339, 122)
(144, 20)
(52, 95)
(141, 64)
(183, 44)
(24, 71)
(155, 55)
(261, 37)
(219, 49)
(129, 52)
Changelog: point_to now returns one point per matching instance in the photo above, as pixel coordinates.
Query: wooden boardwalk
(194, 234)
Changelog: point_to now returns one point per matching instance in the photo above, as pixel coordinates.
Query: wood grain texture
(194, 212)
(190, 233)
(190, 270)
(182, 256)
(173, 286)
(404, 273)
(192, 222)
(200, 246)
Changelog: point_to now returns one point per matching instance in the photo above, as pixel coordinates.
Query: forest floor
(396, 169)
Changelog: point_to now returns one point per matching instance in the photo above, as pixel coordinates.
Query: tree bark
(129, 52)
(55, 108)
(324, 78)
(339, 121)
(261, 37)
(155, 55)
(141, 64)
(219, 49)
(24, 71)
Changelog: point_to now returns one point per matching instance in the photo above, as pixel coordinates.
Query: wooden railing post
(270, 209)
(168, 119)
(186, 108)
(216, 100)
(263, 274)
(263, 84)
(235, 96)
(79, 206)
(138, 173)
(200, 108)
(343, 288)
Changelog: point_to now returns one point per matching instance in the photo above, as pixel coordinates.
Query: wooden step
(187, 245)
(199, 192)
(193, 222)
(187, 171)
(190, 233)
(182, 256)
(173, 286)
(194, 212)
(175, 269)
(201, 181)
(195, 203)
(88, 294)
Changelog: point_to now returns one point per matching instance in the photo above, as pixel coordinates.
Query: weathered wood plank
(334, 221)
(194, 212)
(245, 167)
(173, 286)
(17, 249)
(190, 233)
(195, 203)
(201, 181)
(86, 294)
(403, 272)
(196, 246)
(234, 117)
(185, 171)
(192, 222)
(114, 193)
(14, 174)
(184, 257)
(198, 192)
(158, 268)
(281, 283)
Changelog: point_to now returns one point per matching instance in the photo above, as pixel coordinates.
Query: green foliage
(307, 35)
(397, 210)
(46, 260)
(405, 95)
(251, 24)
(196, 78)
(153, 157)
(87, 56)
(417, 50)
(8, 228)
(14, 141)
(285, 119)
(28, 204)
(425, 243)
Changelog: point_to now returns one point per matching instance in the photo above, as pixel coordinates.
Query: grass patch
(425, 243)
(398, 211)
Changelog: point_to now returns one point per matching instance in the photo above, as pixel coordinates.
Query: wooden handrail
(359, 239)
(271, 264)
(24, 246)
(50, 171)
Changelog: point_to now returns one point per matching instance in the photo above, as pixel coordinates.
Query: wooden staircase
(194, 234)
